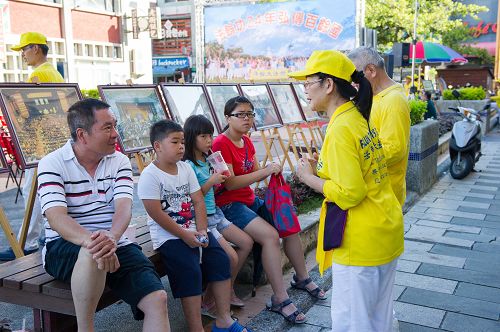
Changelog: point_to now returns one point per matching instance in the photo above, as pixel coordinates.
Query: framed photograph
(184, 100)
(285, 102)
(265, 113)
(36, 117)
(136, 108)
(309, 114)
(218, 95)
(427, 85)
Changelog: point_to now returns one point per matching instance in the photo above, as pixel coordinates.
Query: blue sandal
(301, 284)
(235, 327)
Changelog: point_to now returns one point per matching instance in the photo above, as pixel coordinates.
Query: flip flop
(302, 286)
(235, 327)
(278, 308)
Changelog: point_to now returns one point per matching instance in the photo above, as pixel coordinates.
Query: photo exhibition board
(136, 108)
(36, 117)
(4, 168)
(286, 104)
(218, 95)
(186, 100)
(265, 114)
(304, 103)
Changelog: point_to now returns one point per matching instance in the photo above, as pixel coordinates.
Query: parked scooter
(465, 142)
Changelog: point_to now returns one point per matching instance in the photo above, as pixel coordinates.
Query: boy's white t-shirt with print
(174, 193)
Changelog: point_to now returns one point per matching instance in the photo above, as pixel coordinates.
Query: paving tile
(431, 234)
(472, 237)
(482, 199)
(452, 273)
(408, 327)
(479, 292)
(451, 302)
(429, 216)
(478, 216)
(487, 247)
(407, 265)
(450, 204)
(491, 183)
(415, 314)
(448, 226)
(410, 220)
(492, 218)
(417, 246)
(481, 265)
(462, 323)
(425, 282)
(432, 259)
(396, 293)
(491, 231)
(476, 223)
(465, 253)
(419, 208)
(319, 316)
(492, 211)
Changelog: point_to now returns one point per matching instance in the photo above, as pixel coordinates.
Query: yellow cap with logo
(29, 38)
(333, 63)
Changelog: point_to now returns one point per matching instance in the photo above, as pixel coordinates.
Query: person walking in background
(34, 49)
(352, 175)
(431, 112)
(390, 115)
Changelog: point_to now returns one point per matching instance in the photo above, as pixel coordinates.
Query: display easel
(17, 246)
(294, 130)
(143, 158)
(269, 137)
(317, 136)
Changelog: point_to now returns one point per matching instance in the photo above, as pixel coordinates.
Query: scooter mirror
(455, 94)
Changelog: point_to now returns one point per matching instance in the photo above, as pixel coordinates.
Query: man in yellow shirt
(390, 116)
(34, 49)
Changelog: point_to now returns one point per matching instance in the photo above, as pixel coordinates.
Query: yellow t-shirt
(46, 73)
(353, 164)
(391, 116)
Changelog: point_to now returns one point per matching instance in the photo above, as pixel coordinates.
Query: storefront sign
(167, 66)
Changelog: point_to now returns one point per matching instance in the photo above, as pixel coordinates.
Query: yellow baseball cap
(333, 63)
(28, 38)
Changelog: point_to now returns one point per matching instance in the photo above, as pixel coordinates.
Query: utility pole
(414, 49)
(497, 51)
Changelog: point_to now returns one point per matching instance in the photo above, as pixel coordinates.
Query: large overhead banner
(263, 42)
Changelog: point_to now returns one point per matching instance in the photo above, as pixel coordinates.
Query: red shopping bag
(278, 200)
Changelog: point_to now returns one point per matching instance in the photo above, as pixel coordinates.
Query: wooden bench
(25, 282)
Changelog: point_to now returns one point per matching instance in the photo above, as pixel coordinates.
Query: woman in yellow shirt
(351, 172)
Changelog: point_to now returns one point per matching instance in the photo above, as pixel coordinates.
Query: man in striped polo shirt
(86, 192)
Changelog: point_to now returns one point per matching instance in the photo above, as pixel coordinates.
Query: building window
(131, 55)
(78, 50)
(117, 52)
(99, 49)
(108, 5)
(59, 48)
(89, 50)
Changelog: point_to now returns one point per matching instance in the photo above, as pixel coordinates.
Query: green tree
(393, 19)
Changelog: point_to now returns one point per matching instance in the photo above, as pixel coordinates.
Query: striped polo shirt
(62, 181)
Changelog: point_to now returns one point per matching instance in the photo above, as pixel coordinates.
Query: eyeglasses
(307, 84)
(27, 47)
(243, 115)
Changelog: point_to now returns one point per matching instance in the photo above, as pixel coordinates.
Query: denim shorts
(217, 223)
(184, 271)
(241, 214)
(135, 278)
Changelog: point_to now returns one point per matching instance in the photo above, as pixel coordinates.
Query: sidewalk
(448, 278)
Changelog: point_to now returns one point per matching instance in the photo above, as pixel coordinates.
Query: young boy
(170, 191)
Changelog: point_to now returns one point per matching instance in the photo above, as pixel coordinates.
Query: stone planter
(422, 161)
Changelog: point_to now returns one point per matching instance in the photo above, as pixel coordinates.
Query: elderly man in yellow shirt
(390, 116)
(34, 49)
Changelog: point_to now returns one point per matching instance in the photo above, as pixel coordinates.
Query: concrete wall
(422, 161)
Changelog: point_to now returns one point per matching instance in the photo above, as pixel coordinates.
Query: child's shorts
(217, 223)
(241, 214)
(184, 271)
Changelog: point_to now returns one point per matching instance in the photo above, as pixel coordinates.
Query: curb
(271, 321)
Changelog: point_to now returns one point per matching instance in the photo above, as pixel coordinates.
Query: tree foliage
(393, 19)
